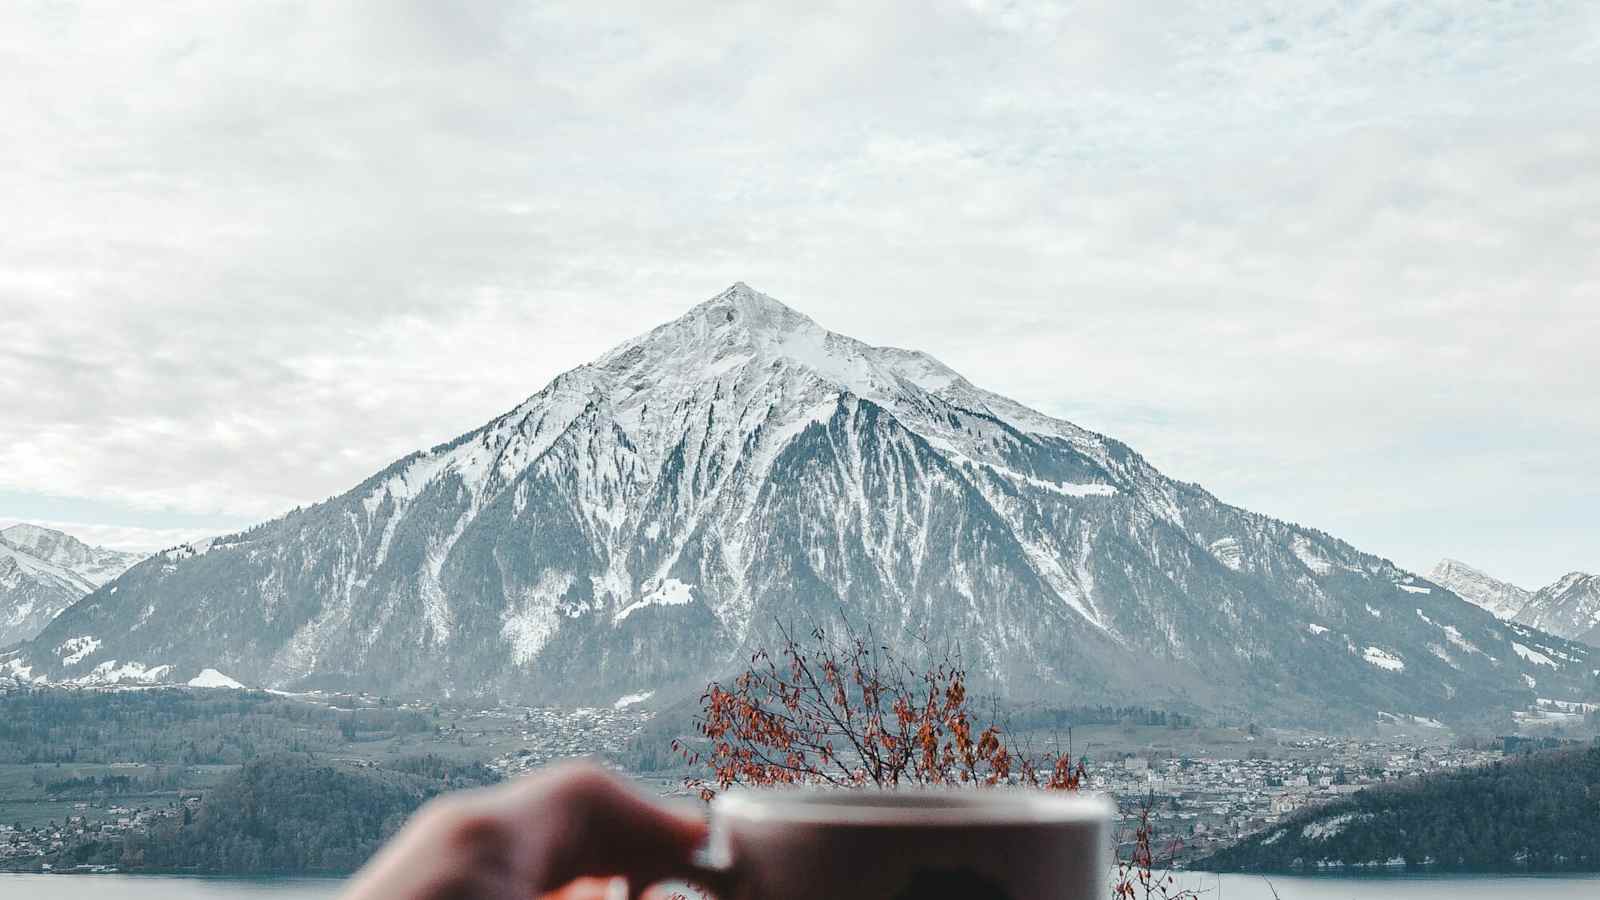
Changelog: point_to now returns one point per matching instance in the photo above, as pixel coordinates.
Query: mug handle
(712, 870)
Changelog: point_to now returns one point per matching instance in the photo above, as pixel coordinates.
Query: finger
(591, 889)
(578, 820)
(456, 846)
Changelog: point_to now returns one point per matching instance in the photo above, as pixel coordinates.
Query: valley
(158, 754)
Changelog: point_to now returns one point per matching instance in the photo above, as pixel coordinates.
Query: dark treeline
(651, 749)
(91, 787)
(183, 727)
(1539, 811)
(283, 814)
(1052, 718)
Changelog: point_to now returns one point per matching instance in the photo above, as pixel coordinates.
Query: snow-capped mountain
(43, 572)
(1502, 598)
(96, 565)
(1569, 608)
(644, 520)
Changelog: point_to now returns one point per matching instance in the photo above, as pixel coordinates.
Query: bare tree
(849, 712)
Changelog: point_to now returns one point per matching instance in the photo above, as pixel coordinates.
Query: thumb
(579, 821)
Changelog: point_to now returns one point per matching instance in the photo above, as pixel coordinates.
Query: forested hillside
(186, 727)
(150, 779)
(1540, 811)
(283, 814)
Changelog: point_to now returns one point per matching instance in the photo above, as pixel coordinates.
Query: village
(90, 819)
(1200, 803)
(1196, 802)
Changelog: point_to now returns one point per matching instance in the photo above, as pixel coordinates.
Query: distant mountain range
(645, 520)
(1569, 608)
(43, 571)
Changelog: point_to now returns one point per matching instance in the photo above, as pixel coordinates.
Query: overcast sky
(1336, 261)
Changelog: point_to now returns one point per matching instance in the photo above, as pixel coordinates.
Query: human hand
(572, 831)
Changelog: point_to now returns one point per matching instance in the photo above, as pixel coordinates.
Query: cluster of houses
(23, 844)
(1200, 803)
(549, 733)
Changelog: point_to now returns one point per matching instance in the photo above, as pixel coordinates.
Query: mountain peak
(745, 308)
(1570, 580)
(1570, 608)
(42, 571)
(25, 531)
(779, 365)
(1449, 565)
(39, 540)
(743, 335)
(738, 318)
(1476, 586)
(97, 564)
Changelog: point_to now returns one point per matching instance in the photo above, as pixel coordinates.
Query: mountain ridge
(645, 519)
(1501, 598)
(43, 571)
(1569, 607)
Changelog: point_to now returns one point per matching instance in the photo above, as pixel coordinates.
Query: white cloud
(1332, 260)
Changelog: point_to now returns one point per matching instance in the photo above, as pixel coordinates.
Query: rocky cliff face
(645, 519)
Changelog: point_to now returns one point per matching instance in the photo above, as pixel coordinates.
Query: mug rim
(911, 806)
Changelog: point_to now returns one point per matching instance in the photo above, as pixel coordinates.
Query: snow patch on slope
(1383, 659)
(1310, 555)
(1229, 552)
(672, 592)
(211, 678)
(73, 650)
(1453, 635)
(109, 672)
(1533, 656)
(627, 700)
(1327, 828)
(534, 616)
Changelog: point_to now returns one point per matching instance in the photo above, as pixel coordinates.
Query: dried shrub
(849, 712)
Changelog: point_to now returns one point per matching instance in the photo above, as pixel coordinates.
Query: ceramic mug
(996, 844)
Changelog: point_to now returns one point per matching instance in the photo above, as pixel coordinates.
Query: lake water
(1225, 887)
(161, 887)
(1404, 887)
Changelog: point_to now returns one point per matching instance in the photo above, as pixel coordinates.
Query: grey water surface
(162, 887)
(1213, 887)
